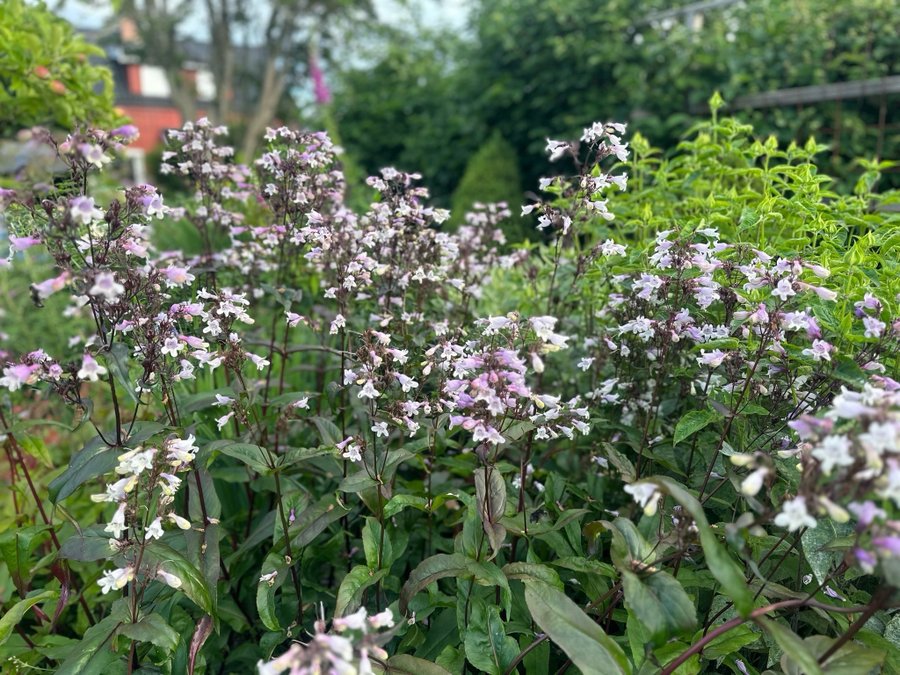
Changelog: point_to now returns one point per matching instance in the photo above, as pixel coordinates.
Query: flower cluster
(348, 648)
(144, 492)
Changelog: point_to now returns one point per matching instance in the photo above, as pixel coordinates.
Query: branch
(698, 646)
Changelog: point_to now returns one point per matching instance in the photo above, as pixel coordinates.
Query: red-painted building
(143, 93)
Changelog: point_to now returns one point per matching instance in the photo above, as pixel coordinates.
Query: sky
(398, 13)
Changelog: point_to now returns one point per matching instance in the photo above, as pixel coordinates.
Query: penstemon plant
(665, 438)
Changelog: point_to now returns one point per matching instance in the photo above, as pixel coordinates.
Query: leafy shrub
(492, 176)
(46, 77)
(665, 441)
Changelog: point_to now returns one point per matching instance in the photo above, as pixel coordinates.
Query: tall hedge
(492, 175)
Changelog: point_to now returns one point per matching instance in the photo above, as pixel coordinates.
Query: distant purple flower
(83, 210)
(865, 513)
(812, 328)
(128, 132)
(888, 543)
(866, 559)
(820, 351)
(323, 94)
(23, 243)
(808, 426)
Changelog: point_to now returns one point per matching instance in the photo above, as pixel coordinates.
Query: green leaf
(516, 524)
(193, 584)
(719, 562)
(524, 570)
(794, 648)
(88, 545)
(693, 422)
(578, 564)
(628, 544)
(204, 400)
(253, 456)
(490, 496)
(398, 503)
(892, 631)
(265, 590)
(328, 431)
(488, 647)
(117, 358)
(623, 465)
(753, 409)
(537, 660)
(296, 455)
(94, 654)
(312, 522)
(356, 581)
(583, 641)
(848, 370)
(660, 603)
(815, 539)
(488, 574)
(15, 614)
(639, 639)
(410, 665)
(445, 565)
(16, 548)
(36, 448)
(94, 459)
(876, 642)
(361, 480)
(851, 659)
(154, 629)
(291, 397)
(443, 632)
(373, 541)
(728, 643)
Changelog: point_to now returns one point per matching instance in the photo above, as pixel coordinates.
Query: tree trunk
(182, 95)
(273, 85)
(221, 16)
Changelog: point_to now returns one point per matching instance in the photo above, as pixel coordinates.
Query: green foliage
(546, 68)
(46, 77)
(534, 69)
(410, 110)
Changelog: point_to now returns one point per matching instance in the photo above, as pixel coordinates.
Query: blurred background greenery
(466, 92)
(531, 69)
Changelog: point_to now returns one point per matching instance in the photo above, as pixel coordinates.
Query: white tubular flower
(105, 285)
(752, 484)
(794, 515)
(116, 492)
(90, 370)
(383, 620)
(169, 579)
(135, 462)
(117, 526)
(154, 529)
(355, 621)
(182, 523)
(181, 451)
(368, 391)
(646, 495)
(115, 580)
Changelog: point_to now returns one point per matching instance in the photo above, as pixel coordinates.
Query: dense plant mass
(666, 440)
